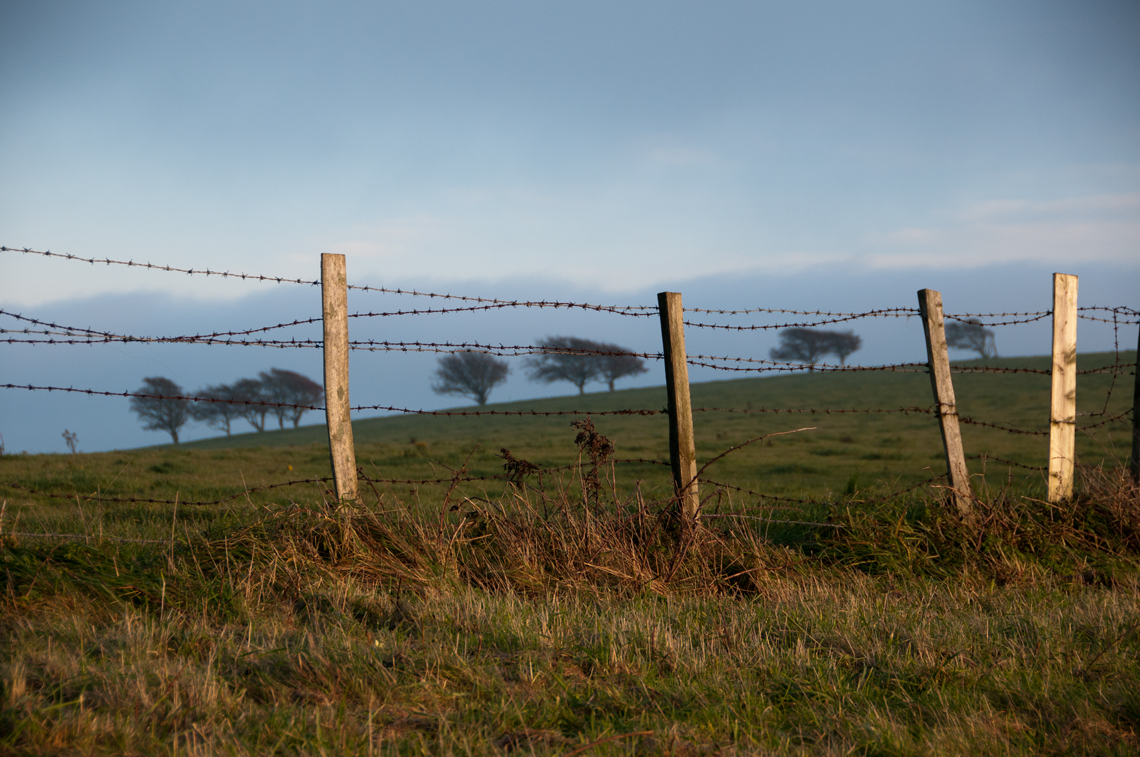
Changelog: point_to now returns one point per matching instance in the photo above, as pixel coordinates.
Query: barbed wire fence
(33, 332)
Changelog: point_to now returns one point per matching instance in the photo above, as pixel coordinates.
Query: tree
(573, 359)
(470, 374)
(218, 414)
(970, 334)
(161, 410)
(619, 364)
(809, 345)
(252, 390)
(289, 388)
(843, 343)
(802, 346)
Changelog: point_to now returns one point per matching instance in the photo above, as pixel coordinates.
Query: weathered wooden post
(334, 292)
(1136, 418)
(937, 355)
(1063, 404)
(682, 442)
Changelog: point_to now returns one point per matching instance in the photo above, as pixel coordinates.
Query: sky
(816, 155)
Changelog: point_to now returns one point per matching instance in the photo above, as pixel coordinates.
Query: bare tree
(802, 346)
(571, 359)
(470, 374)
(219, 414)
(289, 388)
(843, 343)
(161, 410)
(970, 334)
(252, 390)
(619, 364)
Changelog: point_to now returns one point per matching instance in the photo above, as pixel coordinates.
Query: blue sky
(604, 150)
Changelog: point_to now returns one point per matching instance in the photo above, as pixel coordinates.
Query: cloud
(1067, 231)
(394, 238)
(1127, 203)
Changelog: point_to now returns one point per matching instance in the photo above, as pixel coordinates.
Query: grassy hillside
(844, 454)
(488, 620)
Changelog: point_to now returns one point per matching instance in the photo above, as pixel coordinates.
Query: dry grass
(535, 623)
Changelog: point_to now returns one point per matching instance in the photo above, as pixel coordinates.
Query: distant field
(844, 454)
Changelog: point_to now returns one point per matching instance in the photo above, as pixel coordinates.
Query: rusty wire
(828, 503)
(831, 318)
(490, 303)
(1016, 318)
(901, 312)
(817, 411)
(1082, 313)
(142, 395)
(357, 408)
(887, 313)
(637, 310)
(1000, 427)
(536, 413)
(503, 350)
(146, 501)
(152, 266)
(98, 336)
(932, 410)
(249, 491)
(457, 478)
(986, 457)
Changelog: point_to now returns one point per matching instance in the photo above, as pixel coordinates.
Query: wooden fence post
(937, 355)
(682, 442)
(1136, 418)
(1063, 404)
(334, 292)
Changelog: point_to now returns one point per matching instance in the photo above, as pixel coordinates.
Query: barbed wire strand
(490, 303)
(90, 336)
(631, 309)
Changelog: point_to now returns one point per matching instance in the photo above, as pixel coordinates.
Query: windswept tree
(970, 334)
(470, 374)
(161, 409)
(618, 364)
(287, 388)
(809, 345)
(568, 359)
(801, 346)
(842, 344)
(219, 414)
(252, 391)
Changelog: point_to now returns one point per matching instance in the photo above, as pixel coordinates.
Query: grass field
(496, 618)
(844, 454)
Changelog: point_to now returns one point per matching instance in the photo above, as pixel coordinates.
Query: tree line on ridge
(474, 375)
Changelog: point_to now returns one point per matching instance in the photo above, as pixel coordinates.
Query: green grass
(495, 619)
(844, 454)
(539, 624)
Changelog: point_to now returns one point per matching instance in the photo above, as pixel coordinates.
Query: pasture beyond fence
(1058, 448)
